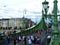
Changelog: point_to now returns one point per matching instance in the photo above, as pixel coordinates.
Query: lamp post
(45, 7)
(44, 13)
(45, 10)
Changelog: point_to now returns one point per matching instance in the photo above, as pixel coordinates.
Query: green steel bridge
(42, 24)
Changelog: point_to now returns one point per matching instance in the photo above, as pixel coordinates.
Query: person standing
(32, 38)
(38, 41)
(20, 38)
(7, 40)
(25, 40)
(29, 41)
(35, 38)
(14, 41)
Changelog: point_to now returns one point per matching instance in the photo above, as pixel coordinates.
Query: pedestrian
(32, 38)
(25, 40)
(14, 41)
(6, 40)
(38, 41)
(35, 38)
(29, 41)
(20, 38)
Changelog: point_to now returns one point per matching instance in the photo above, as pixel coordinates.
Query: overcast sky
(15, 8)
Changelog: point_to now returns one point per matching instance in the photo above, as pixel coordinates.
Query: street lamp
(45, 9)
(45, 6)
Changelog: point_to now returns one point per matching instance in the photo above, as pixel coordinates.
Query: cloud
(14, 8)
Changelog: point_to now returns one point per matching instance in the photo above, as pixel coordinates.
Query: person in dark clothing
(7, 40)
(14, 41)
(38, 41)
(35, 40)
(25, 40)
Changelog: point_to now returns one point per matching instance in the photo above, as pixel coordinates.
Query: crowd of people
(32, 39)
(29, 40)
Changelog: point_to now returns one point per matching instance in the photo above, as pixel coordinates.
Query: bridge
(42, 25)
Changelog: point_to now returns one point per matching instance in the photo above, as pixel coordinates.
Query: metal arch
(30, 30)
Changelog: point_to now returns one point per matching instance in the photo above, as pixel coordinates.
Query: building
(16, 23)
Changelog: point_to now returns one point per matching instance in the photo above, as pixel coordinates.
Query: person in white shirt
(32, 38)
(29, 41)
(19, 38)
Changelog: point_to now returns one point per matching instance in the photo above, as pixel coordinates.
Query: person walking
(29, 41)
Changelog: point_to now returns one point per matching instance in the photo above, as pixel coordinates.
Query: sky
(15, 8)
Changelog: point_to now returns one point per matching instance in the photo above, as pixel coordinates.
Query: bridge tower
(55, 31)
